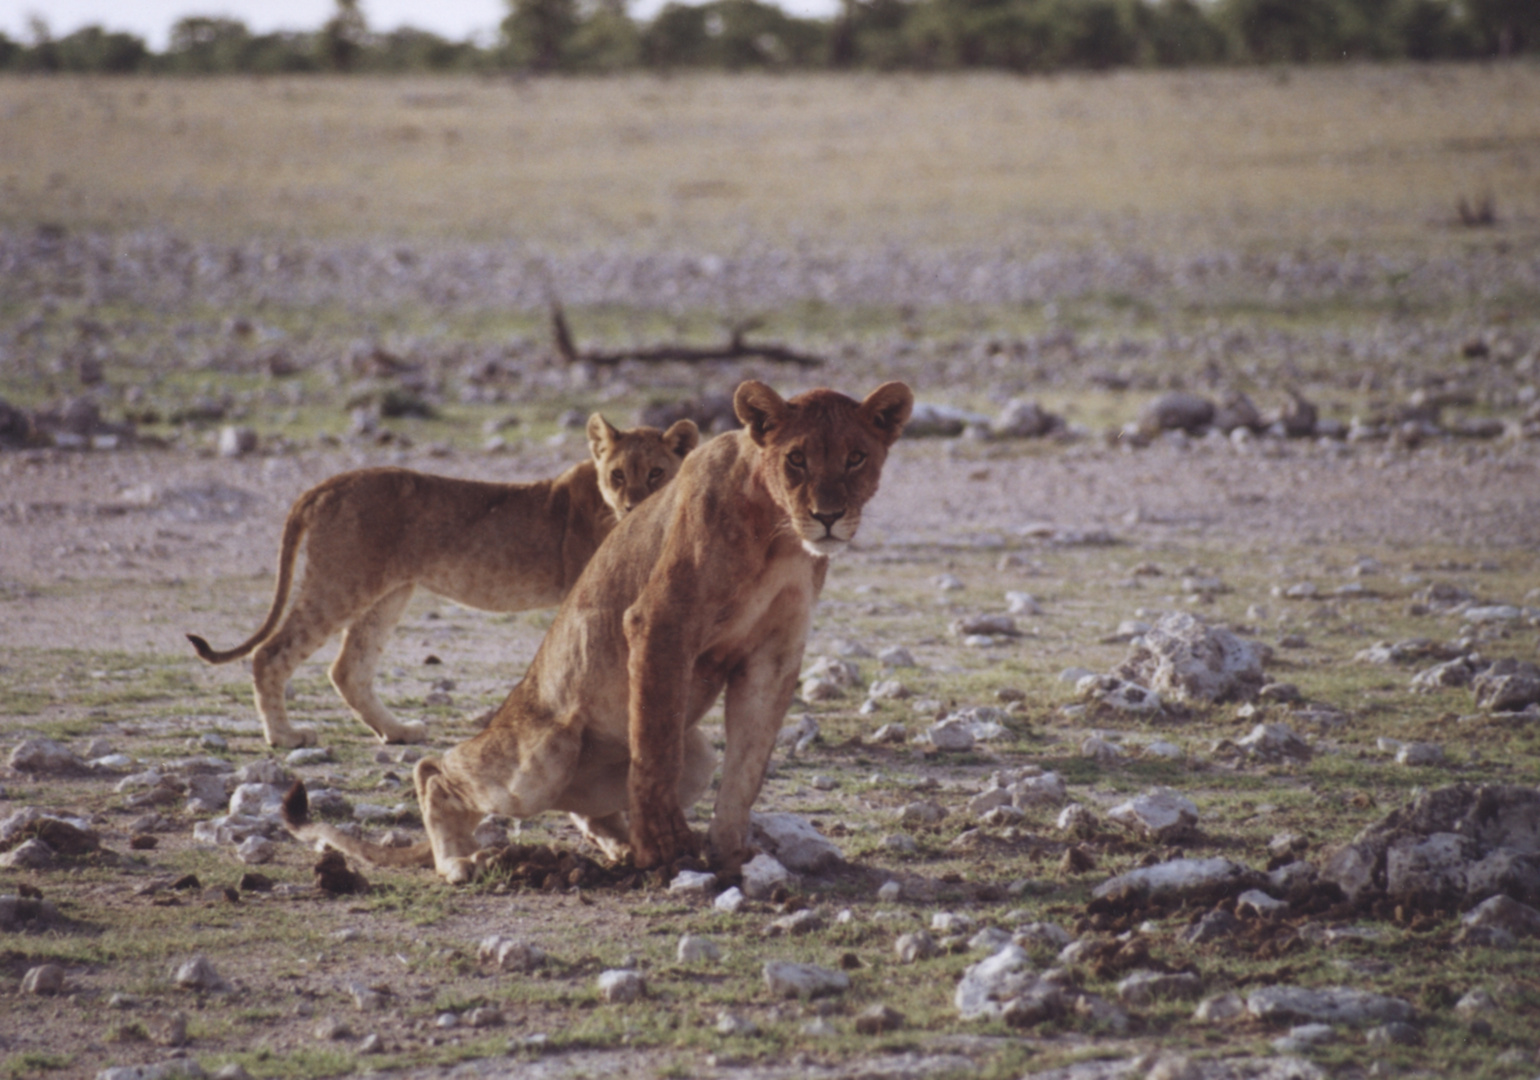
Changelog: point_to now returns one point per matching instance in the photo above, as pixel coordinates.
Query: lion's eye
(655, 476)
(796, 459)
(618, 478)
(855, 459)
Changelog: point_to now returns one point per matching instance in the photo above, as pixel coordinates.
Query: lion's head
(633, 464)
(823, 454)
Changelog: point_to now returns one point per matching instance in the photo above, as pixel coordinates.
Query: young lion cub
(373, 535)
(706, 591)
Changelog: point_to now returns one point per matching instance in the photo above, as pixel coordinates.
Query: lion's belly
(495, 586)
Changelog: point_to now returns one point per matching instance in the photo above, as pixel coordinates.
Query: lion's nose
(828, 520)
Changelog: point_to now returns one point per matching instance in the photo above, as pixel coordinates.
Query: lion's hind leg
(352, 673)
(304, 630)
(518, 776)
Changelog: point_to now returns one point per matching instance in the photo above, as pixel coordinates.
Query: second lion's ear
(760, 408)
(601, 436)
(681, 437)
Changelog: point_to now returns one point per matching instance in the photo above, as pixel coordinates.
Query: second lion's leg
(302, 632)
(353, 671)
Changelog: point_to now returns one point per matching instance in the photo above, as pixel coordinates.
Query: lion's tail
(296, 816)
(294, 529)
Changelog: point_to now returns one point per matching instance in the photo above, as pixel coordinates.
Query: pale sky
(152, 19)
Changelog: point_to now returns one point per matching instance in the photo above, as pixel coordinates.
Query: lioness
(373, 535)
(708, 586)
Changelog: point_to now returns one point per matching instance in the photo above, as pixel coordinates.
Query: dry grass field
(342, 273)
(1182, 161)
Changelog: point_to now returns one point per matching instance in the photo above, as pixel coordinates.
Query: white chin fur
(825, 546)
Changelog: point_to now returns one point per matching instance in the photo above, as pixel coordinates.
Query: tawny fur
(707, 587)
(372, 536)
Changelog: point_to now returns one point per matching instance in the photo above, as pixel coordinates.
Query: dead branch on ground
(735, 349)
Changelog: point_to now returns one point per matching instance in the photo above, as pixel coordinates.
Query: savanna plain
(216, 293)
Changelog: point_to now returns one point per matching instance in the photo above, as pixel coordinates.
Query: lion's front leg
(658, 671)
(758, 695)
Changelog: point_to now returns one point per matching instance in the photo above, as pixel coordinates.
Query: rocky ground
(1175, 716)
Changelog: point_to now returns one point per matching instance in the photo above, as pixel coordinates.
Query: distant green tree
(1505, 27)
(10, 53)
(870, 33)
(536, 33)
(1430, 30)
(207, 45)
(407, 50)
(1017, 35)
(1284, 31)
(676, 37)
(92, 49)
(1181, 33)
(605, 39)
(286, 52)
(344, 36)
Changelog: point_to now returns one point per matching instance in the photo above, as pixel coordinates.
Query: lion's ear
(681, 437)
(760, 408)
(601, 436)
(887, 408)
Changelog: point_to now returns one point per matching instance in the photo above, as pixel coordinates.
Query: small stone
(900, 843)
(1396, 1033)
(619, 986)
(366, 998)
(255, 850)
(1505, 914)
(1258, 903)
(804, 980)
(1144, 987)
(371, 1044)
(888, 733)
(951, 735)
(694, 949)
(922, 813)
(31, 854)
(47, 757)
(511, 954)
(1220, 1009)
(732, 1024)
(236, 441)
(693, 883)
(878, 1019)
(896, 656)
(45, 980)
(1330, 1005)
(1212, 926)
(1421, 755)
(730, 900)
(1100, 750)
(762, 875)
(199, 974)
(915, 946)
(798, 922)
(991, 939)
(485, 1016)
(1303, 1037)
(1475, 1002)
(950, 922)
(1161, 814)
(333, 1029)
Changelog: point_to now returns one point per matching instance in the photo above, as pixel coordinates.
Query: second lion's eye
(855, 459)
(796, 459)
(618, 478)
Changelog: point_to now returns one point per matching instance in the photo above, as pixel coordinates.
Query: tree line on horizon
(1026, 36)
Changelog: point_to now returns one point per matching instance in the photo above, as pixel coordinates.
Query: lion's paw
(460, 871)
(293, 738)
(408, 731)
